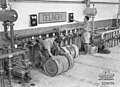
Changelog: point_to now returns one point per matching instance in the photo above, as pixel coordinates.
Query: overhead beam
(49, 1)
(105, 2)
(61, 1)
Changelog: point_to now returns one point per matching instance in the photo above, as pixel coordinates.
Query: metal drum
(93, 49)
(53, 67)
(70, 59)
(57, 66)
(64, 49)
(65, 63)
(71, 49)
(76, 50)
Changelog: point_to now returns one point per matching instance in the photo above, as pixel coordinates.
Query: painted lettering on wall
(50, 17)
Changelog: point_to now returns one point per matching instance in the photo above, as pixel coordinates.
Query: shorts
(85, 37)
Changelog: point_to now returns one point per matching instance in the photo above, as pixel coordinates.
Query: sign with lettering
(50, 17)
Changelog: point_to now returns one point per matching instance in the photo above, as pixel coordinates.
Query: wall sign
(50, 17)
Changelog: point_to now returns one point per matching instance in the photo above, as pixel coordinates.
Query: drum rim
(46, 70)
(77, 53)
(69, 50)
(63, 48)
(74, 50)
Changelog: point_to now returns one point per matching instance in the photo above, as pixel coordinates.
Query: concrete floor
(85, 72)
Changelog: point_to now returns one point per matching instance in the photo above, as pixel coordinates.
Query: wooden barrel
(70, 59)
(57, 66)
(65, 63)
(64, 49)
(76, 50)
(71, 49)
(53, 67)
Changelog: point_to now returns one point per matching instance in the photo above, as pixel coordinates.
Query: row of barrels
(71, 49)
(111, 38)
(62, 62)
(58, 64)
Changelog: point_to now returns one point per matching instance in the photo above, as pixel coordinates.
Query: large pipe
(37, 34)
(12, 36)
(14, 54)
(5, 25)
(3, 4)
(9, 56)
(2, 74)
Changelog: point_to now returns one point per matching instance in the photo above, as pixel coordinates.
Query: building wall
(105, 14)
(25, 8)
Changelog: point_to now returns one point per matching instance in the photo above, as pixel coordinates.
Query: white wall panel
(106, 11)
(24, 9)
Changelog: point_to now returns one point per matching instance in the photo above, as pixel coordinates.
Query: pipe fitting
(5, 56)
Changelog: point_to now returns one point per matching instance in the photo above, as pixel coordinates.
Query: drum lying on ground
(65, 63)
(53, 67)
(64, 49)
(70, 59)
(71, 49)
(76, 49)
(57, 66)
